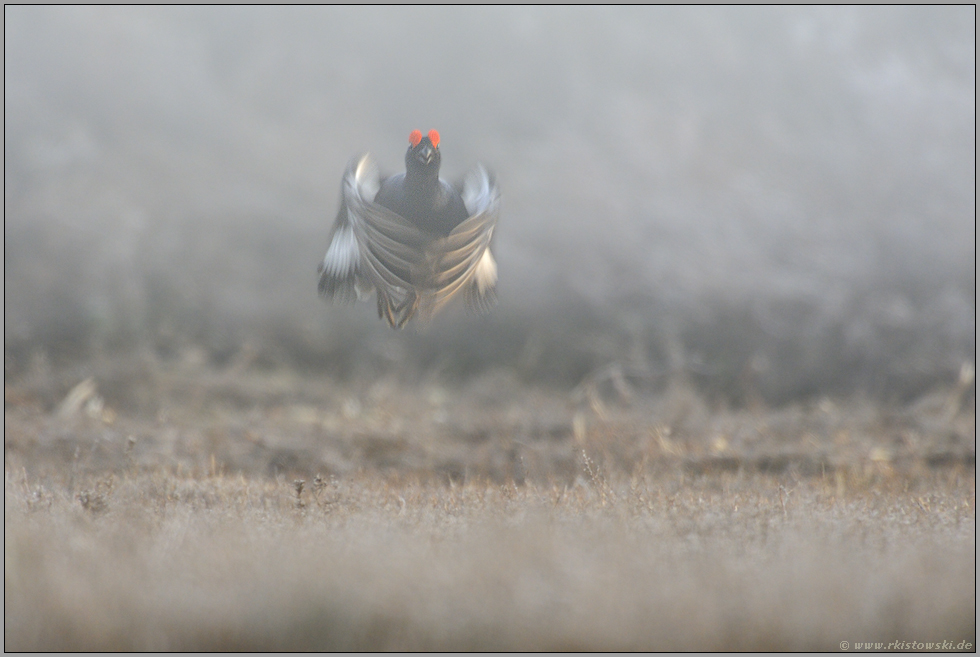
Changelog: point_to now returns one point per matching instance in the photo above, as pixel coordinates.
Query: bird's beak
(426, 154)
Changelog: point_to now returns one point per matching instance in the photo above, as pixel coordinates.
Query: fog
(776, 202)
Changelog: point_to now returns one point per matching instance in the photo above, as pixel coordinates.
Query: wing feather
(387, 243)
(465, 263)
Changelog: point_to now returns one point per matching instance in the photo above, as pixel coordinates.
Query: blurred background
(771, 203)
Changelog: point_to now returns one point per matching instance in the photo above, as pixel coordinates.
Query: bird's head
(423, 151)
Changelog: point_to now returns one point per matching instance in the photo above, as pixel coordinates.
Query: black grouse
(415, 240)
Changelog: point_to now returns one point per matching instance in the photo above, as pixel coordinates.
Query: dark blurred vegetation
(770, 203)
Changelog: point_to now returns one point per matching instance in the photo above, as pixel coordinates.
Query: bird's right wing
(388, 244)
(372, 247)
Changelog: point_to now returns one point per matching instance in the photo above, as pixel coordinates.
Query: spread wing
(371, 247)
(465, 266)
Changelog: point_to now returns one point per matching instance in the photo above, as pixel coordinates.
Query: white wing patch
(343, 256)
(476, 190)
(485, 272)
(367, 179)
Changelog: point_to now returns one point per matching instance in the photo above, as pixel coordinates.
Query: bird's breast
(432, 208)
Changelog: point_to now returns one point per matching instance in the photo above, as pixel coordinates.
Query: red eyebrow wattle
(415, 137)
(434, 138)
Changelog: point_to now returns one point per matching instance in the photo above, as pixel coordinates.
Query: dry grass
(270, 512)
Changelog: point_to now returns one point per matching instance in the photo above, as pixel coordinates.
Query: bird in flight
(414, 240)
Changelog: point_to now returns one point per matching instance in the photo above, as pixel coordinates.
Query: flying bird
(414, 240)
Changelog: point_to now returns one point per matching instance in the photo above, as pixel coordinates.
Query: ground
(176, 506)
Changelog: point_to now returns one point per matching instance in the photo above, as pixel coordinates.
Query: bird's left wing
(465, 264)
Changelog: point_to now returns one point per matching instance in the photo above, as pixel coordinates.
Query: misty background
(767, 202)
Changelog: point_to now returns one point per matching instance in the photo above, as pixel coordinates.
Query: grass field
(154, 506)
